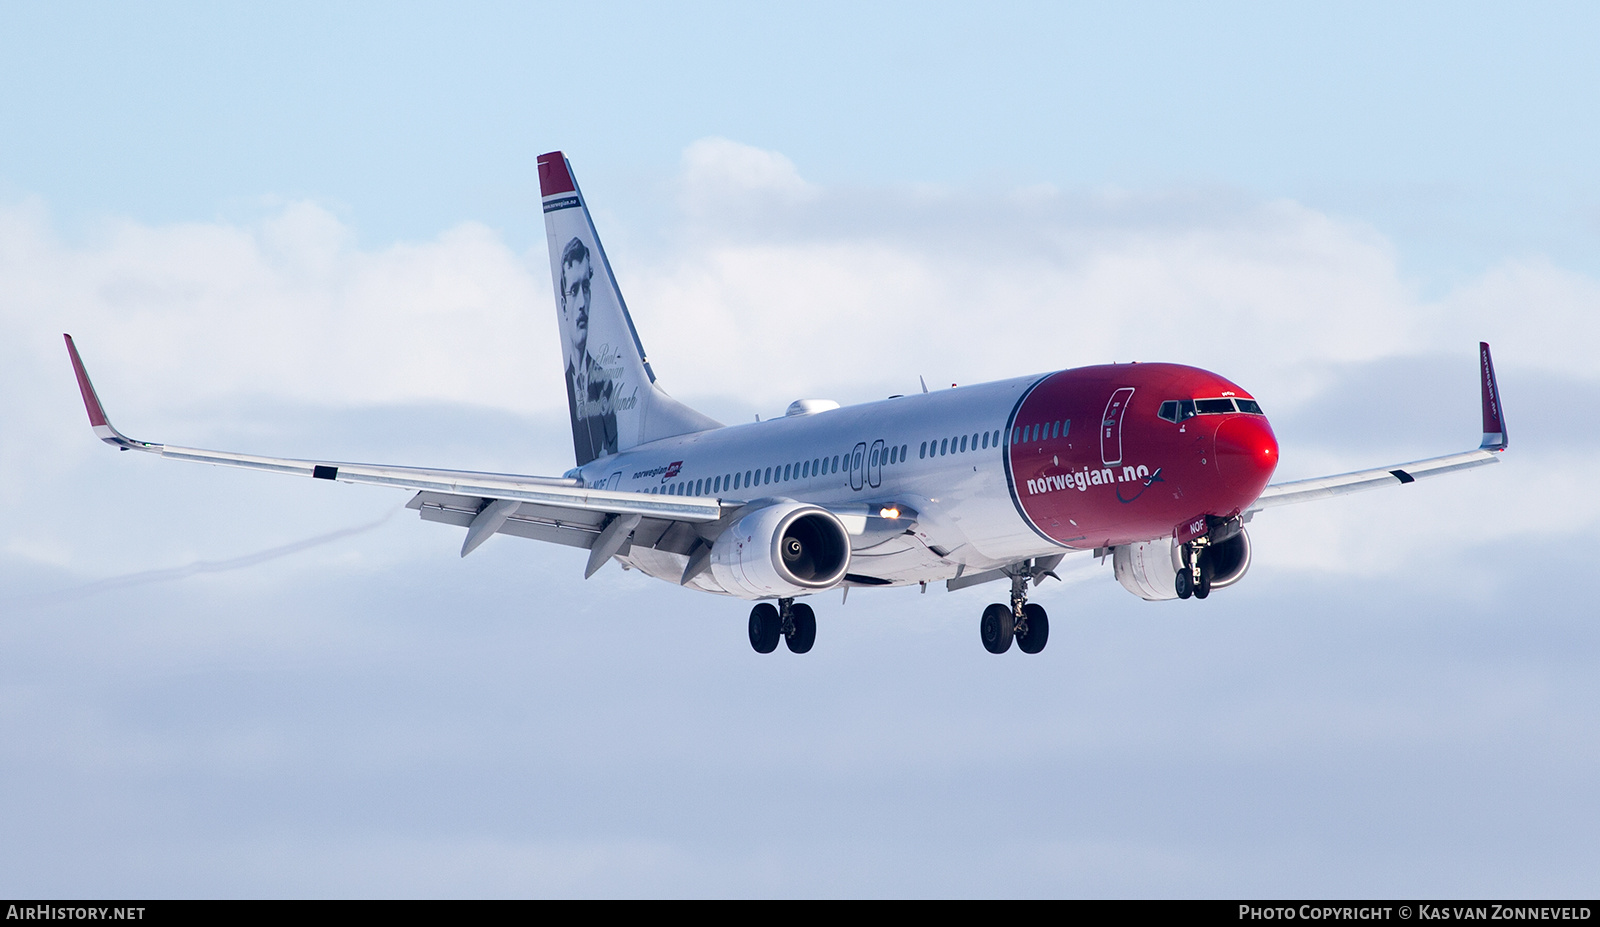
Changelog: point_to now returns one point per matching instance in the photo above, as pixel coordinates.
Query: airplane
(1158, 466)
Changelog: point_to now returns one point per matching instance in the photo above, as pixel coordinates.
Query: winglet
(102, 426)
(1494, 423)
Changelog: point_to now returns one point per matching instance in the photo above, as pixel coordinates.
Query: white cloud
(1536, 315)
(718, 173)
(864, 290)
(288, 307)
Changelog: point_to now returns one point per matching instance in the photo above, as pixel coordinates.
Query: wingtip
(91, 402)
(1495, 437)
(103, 429)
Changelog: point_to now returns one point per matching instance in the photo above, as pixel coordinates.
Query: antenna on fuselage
(923, 382)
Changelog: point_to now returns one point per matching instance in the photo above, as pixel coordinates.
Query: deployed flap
(612, 395)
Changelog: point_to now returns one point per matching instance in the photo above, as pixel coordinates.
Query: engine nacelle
(781, 550)
(1149, 569)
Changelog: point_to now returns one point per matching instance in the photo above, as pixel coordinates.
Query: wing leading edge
(1495, 440)
(555, 509)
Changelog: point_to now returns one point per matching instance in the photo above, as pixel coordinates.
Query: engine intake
(781, 550)
(1148, 569)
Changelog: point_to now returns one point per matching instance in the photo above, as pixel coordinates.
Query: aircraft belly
(914, 563)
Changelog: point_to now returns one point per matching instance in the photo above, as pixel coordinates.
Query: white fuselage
(850, 459)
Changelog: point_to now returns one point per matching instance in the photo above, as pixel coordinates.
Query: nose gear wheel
(1195, 573)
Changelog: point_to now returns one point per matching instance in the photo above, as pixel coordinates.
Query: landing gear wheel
(1204, 588)
(1038, 625)
(802, 632)
(765, 627)
(997, 628)
(1184, 584)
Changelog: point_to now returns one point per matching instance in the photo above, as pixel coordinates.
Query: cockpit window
(1176, 410)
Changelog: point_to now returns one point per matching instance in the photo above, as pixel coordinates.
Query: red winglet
(91, 402)
(553, 174)
(1494, 423)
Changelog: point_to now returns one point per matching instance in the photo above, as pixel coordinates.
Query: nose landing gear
(1023, 622)
(794, 621)
(1199, 557)
(1194, 576)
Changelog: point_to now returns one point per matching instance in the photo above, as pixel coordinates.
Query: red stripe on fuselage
(1119, 473)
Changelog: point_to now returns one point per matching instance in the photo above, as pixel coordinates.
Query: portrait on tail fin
(591, 389)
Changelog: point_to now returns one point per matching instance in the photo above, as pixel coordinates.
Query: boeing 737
(1158, 466)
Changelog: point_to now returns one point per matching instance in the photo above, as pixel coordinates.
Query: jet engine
(781, 550)
(1149, 569)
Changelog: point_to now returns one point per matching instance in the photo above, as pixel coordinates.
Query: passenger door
(1111, 426)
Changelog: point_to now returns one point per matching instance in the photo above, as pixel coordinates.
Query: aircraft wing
(555, 509)
(1322, 487)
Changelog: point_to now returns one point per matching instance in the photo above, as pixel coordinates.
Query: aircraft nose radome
(1247, 452)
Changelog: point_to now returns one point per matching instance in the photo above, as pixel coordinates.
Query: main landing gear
(1023, 622)
(1194, 575)
(793, 621)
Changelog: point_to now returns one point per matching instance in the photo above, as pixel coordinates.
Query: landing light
(889, 511)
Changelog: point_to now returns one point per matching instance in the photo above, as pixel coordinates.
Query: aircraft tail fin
(612, 394)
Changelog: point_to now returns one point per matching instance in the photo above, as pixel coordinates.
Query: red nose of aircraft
(1247, 453)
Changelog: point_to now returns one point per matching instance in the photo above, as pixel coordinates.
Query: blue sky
(411, 118)
(312, 231)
